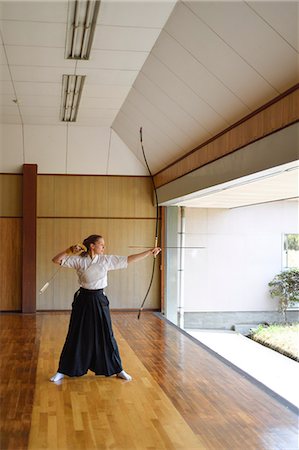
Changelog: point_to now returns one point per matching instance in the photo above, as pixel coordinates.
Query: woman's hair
(92, 239)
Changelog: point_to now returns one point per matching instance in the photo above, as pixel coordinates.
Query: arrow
(141, 246)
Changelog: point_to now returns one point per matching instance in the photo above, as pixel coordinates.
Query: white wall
(243, 252)
(58, 149)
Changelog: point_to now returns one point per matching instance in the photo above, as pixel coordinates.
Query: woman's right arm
(74, 249)
(61, 256)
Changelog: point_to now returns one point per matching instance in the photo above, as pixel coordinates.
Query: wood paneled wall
(69, 208)
(11, 195)
(10, 242)
(278, 114)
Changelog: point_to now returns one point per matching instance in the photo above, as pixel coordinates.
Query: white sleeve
(71, 261)
(117, 262)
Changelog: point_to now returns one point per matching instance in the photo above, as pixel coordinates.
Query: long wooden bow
(156, 228)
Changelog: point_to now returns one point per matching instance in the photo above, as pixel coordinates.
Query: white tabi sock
(124, 375)
(58, 376)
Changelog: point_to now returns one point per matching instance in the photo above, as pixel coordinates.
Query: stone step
(244, 328)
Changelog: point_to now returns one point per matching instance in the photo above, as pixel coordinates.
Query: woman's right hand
(77, 248)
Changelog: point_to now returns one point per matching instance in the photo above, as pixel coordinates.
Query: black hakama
(90, 343)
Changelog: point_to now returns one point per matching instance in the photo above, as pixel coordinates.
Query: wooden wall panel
(45, 201)
(10, 242)
(126, 287)
(94, 196)
(10, 263)
(10, 195)
(278, 114)
(71, 208)
(130, 197)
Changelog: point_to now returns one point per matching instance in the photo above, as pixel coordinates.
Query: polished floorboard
(181, 396)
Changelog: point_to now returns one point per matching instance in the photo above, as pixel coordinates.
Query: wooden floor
(181, 397)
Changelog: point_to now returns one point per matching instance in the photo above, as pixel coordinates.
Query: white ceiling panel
(30, 119)
(37, 74)
(159, 139)
(95, 142)
(121, 161)
(10, 110)
(94, 121)
(40, 34)
(95, 102)
(105, 91)
(39, 111)
(114, 59)
(35, 11)
(11, 137)
(125, 38)
(135, 13)
(39, 101)
(110, 77)
(7, 119)
(130, 133)
(226, 64)
(283, 17)
(45, 146)
(233, 22)
(172, 86)
(210, 88)
(183, 72)
(4, 73)
(86, 113)
(6, 87)
(38, 56)
(6, 100)
(159, 120)
(34, 88)
(172, 111)
(3, 59)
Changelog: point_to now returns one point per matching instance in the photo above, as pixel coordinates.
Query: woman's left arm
(139, 256)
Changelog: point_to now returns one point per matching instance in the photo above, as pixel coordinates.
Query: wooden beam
(29, 238)
(270, 118)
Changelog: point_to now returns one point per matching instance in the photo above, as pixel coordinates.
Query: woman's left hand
(155, 251)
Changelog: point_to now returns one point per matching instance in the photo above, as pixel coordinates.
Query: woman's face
(99, 247)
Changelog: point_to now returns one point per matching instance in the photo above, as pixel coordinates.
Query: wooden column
(29, 239)
(162, 267)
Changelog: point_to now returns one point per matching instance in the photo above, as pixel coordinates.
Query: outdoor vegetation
(283, 338)
(285, 287)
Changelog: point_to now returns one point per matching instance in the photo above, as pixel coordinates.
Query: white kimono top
(92, 273)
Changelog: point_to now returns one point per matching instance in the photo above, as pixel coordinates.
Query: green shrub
(285, 286)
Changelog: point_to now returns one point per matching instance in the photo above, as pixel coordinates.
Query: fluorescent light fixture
(72, 86)
(82, 19)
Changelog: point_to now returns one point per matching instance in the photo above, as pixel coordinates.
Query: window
(291, 251)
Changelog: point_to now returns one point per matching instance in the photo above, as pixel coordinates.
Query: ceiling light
(82, 19)
(72, 86)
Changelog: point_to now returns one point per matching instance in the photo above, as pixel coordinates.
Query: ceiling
(276, 184)
(32, 58)
(183, 70)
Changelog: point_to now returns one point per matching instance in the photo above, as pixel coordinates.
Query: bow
(156, 228)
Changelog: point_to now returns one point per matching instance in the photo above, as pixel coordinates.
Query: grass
(284, 338)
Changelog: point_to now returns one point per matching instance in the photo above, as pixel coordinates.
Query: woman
(90, 343)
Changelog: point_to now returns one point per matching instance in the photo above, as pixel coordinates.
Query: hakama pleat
(90, 343)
